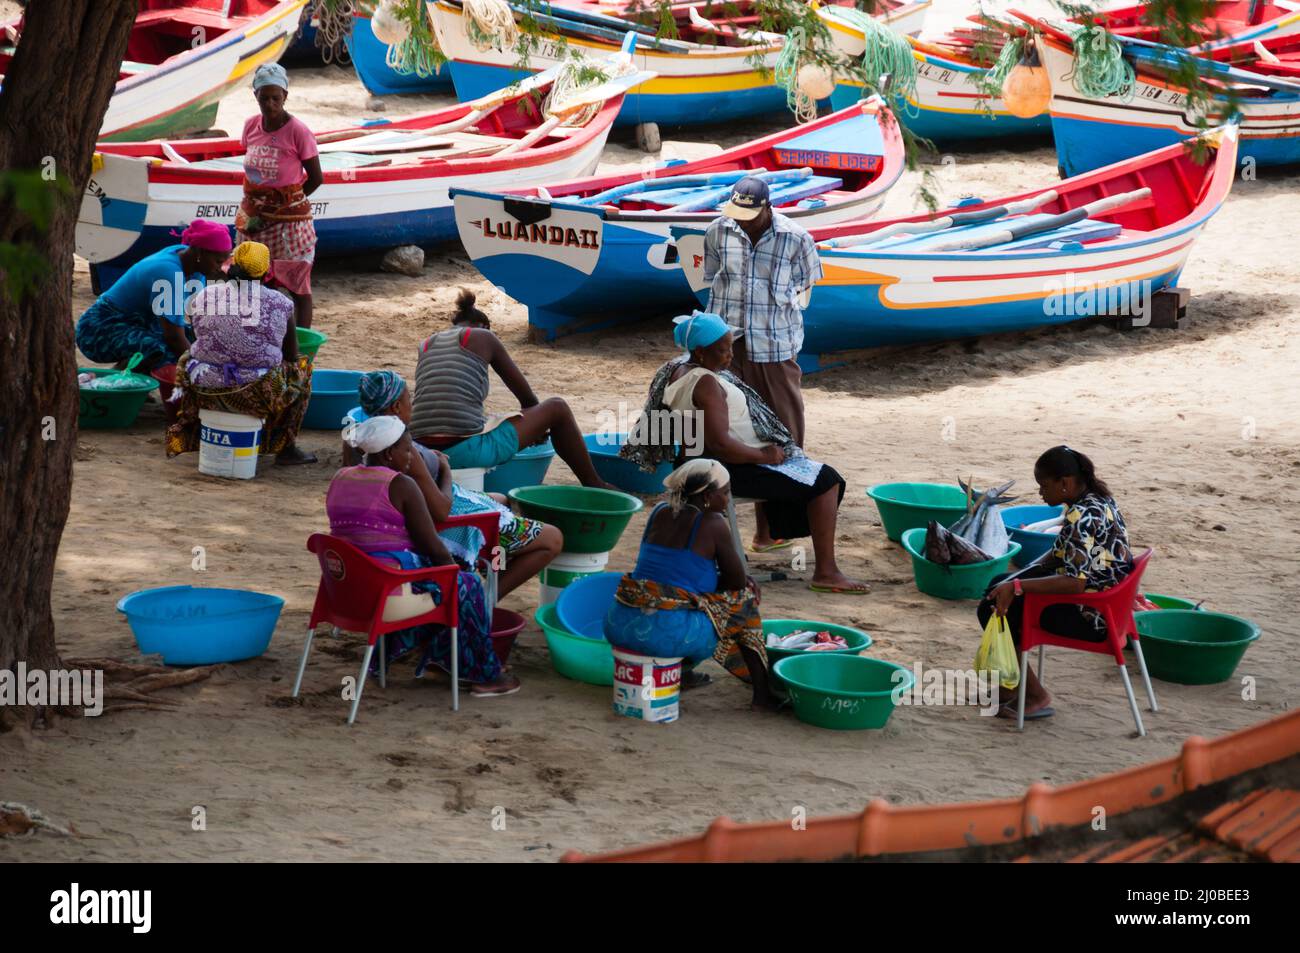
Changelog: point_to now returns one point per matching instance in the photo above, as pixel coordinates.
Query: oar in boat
(945, 221)
(611, 195)
(1023, 229)
(711, 199)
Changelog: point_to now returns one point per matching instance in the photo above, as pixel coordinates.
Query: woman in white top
(801, 496)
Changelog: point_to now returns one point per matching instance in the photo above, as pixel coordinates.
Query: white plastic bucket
(567, 568)
(471, 478)
(228, 444)
(645, 687)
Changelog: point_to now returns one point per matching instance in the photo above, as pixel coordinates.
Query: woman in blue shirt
(144, 310)
(688, 596)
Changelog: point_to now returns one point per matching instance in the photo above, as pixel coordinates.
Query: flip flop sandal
(496, 692)
(771, 547)
(1011, 710)
(841, 590)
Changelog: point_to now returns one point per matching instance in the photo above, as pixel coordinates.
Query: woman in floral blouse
(1091, 553)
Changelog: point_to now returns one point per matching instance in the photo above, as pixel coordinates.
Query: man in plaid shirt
(759, 265)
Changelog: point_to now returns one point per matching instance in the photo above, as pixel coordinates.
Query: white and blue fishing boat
(1090, 245)
(1254, 79)
(593, 252)
(386, 183)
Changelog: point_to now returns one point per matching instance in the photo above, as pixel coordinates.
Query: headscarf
(253, 257)
(376, 434)
(380, 390)
(700, 329)
(208, 235)
(270, 74)
(694, 478)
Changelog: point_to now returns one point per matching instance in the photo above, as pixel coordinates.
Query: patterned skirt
(278, 397)
(106, 335)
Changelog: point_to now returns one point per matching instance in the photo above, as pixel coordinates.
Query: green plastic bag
(997, 653)
(124, 379)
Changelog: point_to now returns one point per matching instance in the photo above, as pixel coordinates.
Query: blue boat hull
(369, 57)
(334, 237)
(474, 80)
(851, 317)
(951, 126)
(1083, 145)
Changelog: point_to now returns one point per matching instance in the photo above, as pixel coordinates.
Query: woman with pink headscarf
(144, 310)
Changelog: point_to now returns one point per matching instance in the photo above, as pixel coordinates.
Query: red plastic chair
(489, 524)
(1116, 607)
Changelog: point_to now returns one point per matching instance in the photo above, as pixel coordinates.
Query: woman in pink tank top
(379, 509)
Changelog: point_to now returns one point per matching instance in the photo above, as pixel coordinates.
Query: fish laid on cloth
(978, 536)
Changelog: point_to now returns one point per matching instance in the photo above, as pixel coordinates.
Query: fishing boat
(714, 70)
(303, 49)
(386, 183)
(1093, 244)
(1248, 79)
(949, 104)
(371, 61)
(593, 252)
(905, 19)
(182, 57)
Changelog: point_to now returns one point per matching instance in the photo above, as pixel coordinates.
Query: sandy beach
(1197, 432)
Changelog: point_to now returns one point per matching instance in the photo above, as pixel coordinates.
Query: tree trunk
(53, 102)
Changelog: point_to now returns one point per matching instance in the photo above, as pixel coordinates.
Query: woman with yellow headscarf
(244, 360)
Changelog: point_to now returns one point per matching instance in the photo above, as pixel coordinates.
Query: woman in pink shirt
(281, 168)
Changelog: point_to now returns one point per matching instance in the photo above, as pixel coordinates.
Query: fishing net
(1099, 69)
(333, 27)
(886, 52)
(490, 24)
(996, 74)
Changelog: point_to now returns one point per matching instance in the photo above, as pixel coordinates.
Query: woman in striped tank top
(451, 384)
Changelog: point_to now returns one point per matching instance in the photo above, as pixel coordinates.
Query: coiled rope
(490, 24)
(581, 74)
(333, 26)
(886, 51)
(786, 73)
(1100, 70)
(419, 53)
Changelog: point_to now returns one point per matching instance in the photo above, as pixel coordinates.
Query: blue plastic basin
(526, 468)
(582, 605)
(1032, 545)
(333, 394)
(190, 625)
(624, 474)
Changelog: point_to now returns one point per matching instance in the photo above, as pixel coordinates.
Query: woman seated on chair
(380, 509)
(451, 384)
(244, 360)
(530, 545)
(801, 496)
(1091, 553)
(688, 596)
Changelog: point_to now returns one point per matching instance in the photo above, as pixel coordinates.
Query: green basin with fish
(112, 409)
(905, 506)
(591, 519)
(858, 641)
(953, 582)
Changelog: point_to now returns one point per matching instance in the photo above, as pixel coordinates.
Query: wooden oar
(1018, 230)
(945, 221)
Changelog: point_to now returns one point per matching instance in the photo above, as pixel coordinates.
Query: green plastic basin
(1170, 602)
(582, 659)
(953, 582)
(105, 409)
(309, 341)
(843, 692)
(905, 506)
(1192, 646)
(591, 520)
(858, 640)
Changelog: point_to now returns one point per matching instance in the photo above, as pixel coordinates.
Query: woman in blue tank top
(688, 596)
